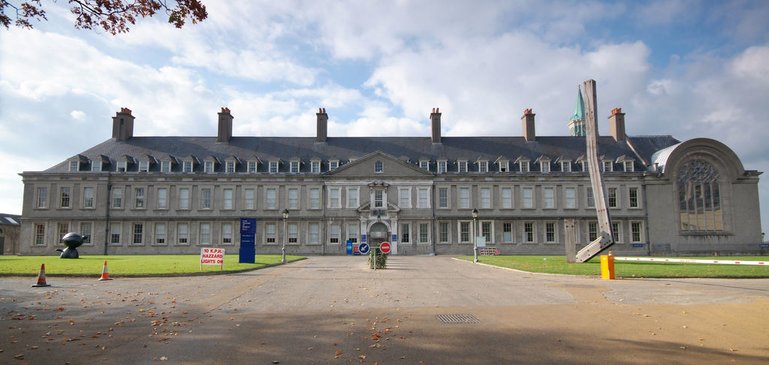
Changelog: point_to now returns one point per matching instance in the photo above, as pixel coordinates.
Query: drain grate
(458, 318)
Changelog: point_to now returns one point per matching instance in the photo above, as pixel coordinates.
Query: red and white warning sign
(211, 256)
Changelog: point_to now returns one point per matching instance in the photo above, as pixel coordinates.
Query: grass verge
(622, 269)
(129, 265)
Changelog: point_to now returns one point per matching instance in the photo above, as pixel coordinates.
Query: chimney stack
(322, 125)
(435, 117)
(225, 125)
(123, 125)
(617, 124)
(528, 124)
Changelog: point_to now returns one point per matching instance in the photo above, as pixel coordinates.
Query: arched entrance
(378, 233)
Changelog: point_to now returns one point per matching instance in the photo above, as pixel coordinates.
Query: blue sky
(685, 68)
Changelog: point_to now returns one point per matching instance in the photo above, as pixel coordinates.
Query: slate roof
(9, 219)
(266, 149)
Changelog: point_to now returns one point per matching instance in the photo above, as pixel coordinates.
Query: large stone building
(172, 195)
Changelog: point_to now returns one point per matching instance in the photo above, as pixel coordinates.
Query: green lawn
(558, 265)
(128, 265)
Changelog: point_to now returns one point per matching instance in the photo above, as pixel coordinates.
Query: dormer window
(229, 166)
(165, 166)
(74, 166)
(424, 164)
(523, 165)
(566, 166)
(252, 165)
(96, 165)
(462, 166)
(144, 166)
(628, 166)
(608, 166)
(333, 165)
(378, 167)
(187, 166)
(208, 167)
(544, 166)
(315, 166)
(504, 166)
(273, 167)
(442, 166)
(121, 166)
(483, 166)
(294, 166)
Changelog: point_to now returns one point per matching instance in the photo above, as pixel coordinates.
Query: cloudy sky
(685, 68)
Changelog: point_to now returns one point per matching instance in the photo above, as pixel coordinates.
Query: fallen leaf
(338, 353)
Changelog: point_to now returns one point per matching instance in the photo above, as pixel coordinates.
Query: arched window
(699, 197)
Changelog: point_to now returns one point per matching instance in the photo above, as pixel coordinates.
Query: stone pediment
(379, 165)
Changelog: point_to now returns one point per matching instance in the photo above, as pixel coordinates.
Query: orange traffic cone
(105, 272)
(41, 278)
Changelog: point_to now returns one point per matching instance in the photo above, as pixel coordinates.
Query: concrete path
(430, 310)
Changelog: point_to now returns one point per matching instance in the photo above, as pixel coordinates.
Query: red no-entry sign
(385, 247)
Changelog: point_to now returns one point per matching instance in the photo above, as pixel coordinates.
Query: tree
(114, 16)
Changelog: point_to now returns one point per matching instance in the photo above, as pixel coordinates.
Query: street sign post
(385, 247)
(363, 248)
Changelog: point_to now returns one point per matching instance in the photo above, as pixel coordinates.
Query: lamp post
(475, 236)
(285, 237)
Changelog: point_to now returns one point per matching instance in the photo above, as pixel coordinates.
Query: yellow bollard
(607, 267)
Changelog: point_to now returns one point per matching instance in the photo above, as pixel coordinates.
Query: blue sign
(363, 248)
(639, 245)
(764, 245)
(394, 238)
(247, 240)
(349, 247)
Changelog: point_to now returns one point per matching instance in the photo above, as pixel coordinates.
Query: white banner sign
(211, 256)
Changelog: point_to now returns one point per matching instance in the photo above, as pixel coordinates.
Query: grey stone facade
(174, 195)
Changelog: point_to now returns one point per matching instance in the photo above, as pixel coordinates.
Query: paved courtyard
(430, 310)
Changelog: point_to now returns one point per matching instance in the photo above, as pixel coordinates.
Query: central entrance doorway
(378, 233)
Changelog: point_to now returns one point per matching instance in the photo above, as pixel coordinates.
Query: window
(165, 166)
(333, 165)
(628, 166)
(63, 229)
(42, 197)
(144, 166)
(229, 167)
(443, 198)
(183, 233)
(699, 196)
(378, 199)
(187, 166)
(117, 197)
(352, 232)
(528, 232)
(612, 192)
(378, 167)
(464, 198)
(249, 199)
(404, 197)
(226, 233)
(636, 231)
(507, 198)
(293, 198)
(315, 167)
(208, 167)
(65, 194)
(205, 198)
(424, 233)
(462, 166)
(483, 166)
(590, 198)
(138, 198)
(566, 166)
(507, 232)
(570, 198)
(443, 232)
(271, 198)
(608, 166)
(273, 167)
(270, 233)
(334, 233)
(616, 231)
(584, 166)
(205, 234)
(353, 197)
(294, 167)
(464, 232)
(504, 166)
(74, 166)
(523, 165)
(544, 166)
(314, 198)
(423, 197)
(121, 166)
(313, 233)
(424, 164)
(592, 231)
(39, 234)
(252, 166)
(527, 197)
(442, 166)
(138, 234)
(160, 233)
(548, 198)
(88, 198)
(550, 232)
(485, 198)
(96, 165)
(334, 198)
(632, 195)
(162, 198)
(184, 198)
(227, 198)
(86, 229)
(293, 232)
(114, 233)
(405, 233)
(486, 231)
